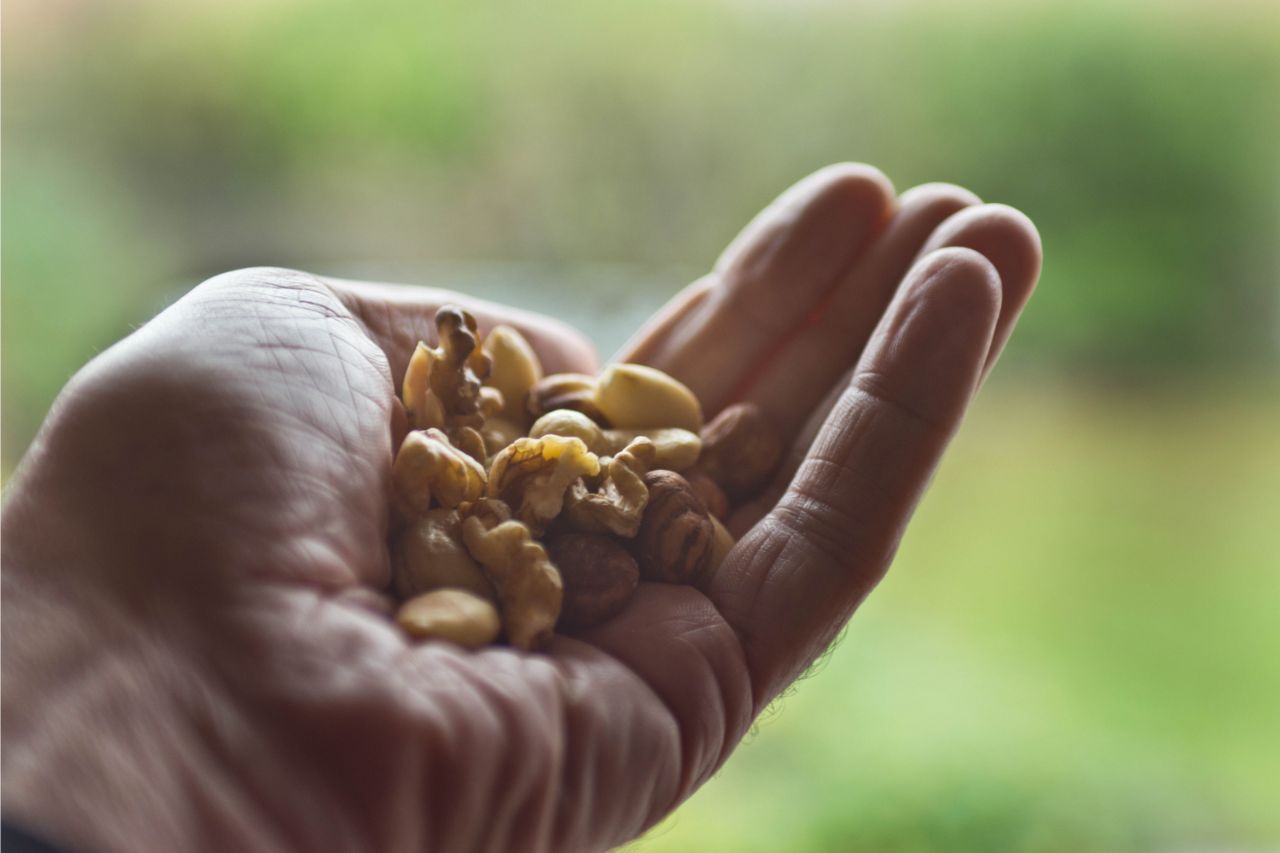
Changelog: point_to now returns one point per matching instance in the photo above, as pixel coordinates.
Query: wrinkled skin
(194, 655)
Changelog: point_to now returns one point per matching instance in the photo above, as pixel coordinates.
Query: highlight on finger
(1010, 241)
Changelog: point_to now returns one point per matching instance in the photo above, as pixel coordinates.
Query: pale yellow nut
(568, 423)
(450, 614)
(675, 449)
(515, 369)
(420, 402)
(632, 396)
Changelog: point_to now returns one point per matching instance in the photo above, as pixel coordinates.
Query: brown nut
(615, 504)
(429, 555)
(676, 536)
(460, 365)
(599, 576)
(498, 432)
(574, 391)
(740, 450)
(709, 492)
(450, 614)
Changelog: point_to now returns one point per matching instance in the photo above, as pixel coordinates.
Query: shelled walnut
(523, 501)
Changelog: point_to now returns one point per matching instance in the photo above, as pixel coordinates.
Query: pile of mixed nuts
(524, 502)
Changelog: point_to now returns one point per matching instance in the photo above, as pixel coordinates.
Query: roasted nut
(429, 554)
(709, 492)
(574, 391)
(633, 396)
(676, 537)
(491, 402)
(516, 369)
(498, 432)
(428, 466)
(420, 403)
(450, 614)
(721, 545)
(740, 450)
(469, 441)
(532, 474)
(675, 449)
(617, 504)
(598, 574)
(574, 424)
(460, 366)
(528, 585)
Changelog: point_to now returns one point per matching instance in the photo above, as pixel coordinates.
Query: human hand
(194, 547)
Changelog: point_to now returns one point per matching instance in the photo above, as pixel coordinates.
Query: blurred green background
(1079, 646)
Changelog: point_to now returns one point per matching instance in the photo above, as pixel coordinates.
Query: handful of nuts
(522, 502)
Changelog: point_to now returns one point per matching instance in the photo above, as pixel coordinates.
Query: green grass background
(1077, 648)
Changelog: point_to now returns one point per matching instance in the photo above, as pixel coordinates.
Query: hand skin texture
(195, 651)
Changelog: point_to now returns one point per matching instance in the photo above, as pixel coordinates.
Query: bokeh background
(1079, 646)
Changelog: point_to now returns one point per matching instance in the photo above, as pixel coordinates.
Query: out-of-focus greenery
(1077, 648)
(149, 144)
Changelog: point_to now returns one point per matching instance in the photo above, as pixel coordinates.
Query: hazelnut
(676, 535)
(633, 396)
(709, 492)
(574, 391)
(740, 450)
(599, 576)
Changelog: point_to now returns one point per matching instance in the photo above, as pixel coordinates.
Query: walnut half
(529, 587)
(532, 474)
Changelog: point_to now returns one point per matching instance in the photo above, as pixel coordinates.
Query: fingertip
(817, 215)
(966, 279)
(1021, 235)
(860, 181)
(1004, 235)
(939, 193)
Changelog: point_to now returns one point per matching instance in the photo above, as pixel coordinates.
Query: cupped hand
(196, 648)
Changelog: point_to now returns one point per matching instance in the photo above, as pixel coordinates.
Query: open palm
(195, 549)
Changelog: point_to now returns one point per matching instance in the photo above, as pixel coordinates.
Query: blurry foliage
(574, 131)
